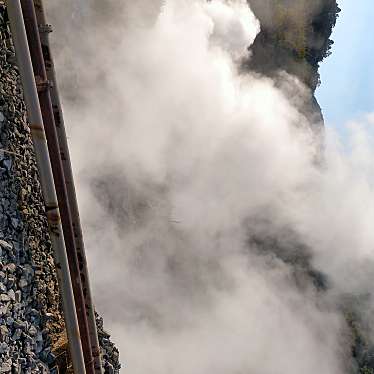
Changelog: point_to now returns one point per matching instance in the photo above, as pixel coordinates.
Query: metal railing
(46, 180)
(45, 30)
(30, 36)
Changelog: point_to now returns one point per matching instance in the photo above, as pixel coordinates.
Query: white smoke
(181, 162)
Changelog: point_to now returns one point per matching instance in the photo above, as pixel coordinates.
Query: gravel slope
(32, 333)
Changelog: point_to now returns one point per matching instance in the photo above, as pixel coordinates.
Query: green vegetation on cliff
(294, 37)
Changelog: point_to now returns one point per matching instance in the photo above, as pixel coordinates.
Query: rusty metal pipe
(45, 29)
(43, 86)
(19, 38)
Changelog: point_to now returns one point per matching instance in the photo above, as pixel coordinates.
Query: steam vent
(47, 320)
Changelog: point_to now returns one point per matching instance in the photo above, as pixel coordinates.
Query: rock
(18, 296)
(11, 268)
(18, 324)
(51, 358)
(3, 348)
(17, 369)
(6, 367)
(43, 368)
(3, 310)
(109, 368)
(5, 244)
(10, 281)
(33, 331)
(3, 332)
(22, 361)
(17, 335)
(15, 223)
(28, 271)
(4, 297)
(23, 283)
(11, 295)
(7, 163)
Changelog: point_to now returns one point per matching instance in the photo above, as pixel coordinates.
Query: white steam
(182, 163)
(234, 25)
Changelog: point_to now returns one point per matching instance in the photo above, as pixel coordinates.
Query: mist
(222, 235)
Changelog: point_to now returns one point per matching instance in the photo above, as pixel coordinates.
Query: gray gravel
(31, 322)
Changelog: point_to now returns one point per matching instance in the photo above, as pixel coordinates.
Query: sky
(347, 75)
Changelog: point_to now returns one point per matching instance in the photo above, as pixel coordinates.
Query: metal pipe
(43, 86)
(46, 179)
(45, 30)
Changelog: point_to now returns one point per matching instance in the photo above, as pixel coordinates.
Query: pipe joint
(42, 85)
(45, 29)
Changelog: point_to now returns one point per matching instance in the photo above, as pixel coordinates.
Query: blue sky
(347, 89)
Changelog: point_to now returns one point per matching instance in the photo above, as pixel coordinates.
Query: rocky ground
(32, 334)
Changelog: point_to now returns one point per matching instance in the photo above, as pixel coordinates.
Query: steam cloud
(219, 241)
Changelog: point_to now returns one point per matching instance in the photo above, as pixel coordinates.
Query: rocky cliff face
(294, 38)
